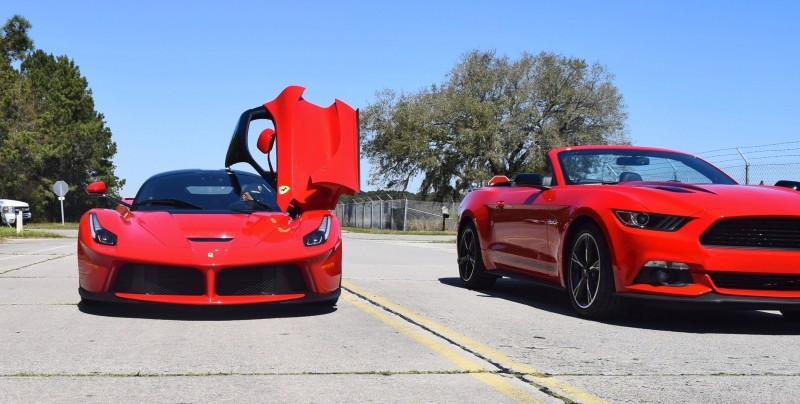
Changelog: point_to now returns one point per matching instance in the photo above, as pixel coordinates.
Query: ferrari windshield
(211, 191)
(610, 166)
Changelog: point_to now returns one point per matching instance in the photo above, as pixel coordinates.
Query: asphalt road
(404, 331)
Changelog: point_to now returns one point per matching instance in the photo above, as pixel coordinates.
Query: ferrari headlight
(651, 221)
(320, 234)
(99, 233)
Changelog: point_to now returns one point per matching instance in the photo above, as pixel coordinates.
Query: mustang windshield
(608, 166)
(207, 191)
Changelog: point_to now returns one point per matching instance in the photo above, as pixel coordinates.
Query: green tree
(14, 40)
(492, 116)
(50, 131)
(17, 157)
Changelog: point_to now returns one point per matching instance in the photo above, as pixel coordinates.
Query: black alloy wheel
(470, 262)
(590, 279)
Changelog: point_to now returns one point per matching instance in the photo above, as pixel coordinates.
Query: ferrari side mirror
(266, 140)
(96, 188)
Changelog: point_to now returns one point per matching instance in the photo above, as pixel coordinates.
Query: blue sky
(172, 77)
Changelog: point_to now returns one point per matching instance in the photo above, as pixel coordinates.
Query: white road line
(36, 252)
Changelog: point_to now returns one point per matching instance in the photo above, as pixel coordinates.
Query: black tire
(791, 315)
(590, 278)
(470, 261)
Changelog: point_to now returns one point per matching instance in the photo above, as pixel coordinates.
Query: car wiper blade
(258, 206)
(178, 203)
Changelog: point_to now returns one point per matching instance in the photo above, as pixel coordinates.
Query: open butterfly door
(317, 150)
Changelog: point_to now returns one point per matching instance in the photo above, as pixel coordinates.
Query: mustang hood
(317, 150)
(726, 199)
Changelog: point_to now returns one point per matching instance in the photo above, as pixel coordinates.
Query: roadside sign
(61, 188)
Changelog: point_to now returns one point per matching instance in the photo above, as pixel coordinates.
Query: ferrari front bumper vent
(240, 281)
(260, 280)
(159, 280)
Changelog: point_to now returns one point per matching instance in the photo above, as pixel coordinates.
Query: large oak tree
(492, 115)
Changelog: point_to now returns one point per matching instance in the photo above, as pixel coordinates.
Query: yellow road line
(534, 375)
(497, 382)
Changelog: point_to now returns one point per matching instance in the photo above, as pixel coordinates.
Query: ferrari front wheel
(470, 261)
(590, 279)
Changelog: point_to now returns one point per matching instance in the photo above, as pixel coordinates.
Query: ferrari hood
(317, 150)
(667, 197)
(176, 229)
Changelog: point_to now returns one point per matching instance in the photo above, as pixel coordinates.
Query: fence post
(371, 209)
(405, 213)
(363, 214)
(391, 212)
(455, 212)
(355, 212)
(380, 211)
(746, 167)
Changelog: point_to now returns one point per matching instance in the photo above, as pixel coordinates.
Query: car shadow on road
(203, 313)
(693, 321)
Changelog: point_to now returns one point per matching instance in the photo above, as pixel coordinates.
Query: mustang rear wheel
(470, 261)
(590, 279)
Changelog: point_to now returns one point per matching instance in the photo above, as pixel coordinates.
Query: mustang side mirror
(97, 188)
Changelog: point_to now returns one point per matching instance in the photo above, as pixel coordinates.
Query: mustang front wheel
(590, 279)
(470, 261)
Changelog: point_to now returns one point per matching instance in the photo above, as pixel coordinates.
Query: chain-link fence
(398, 214)
(765, 164)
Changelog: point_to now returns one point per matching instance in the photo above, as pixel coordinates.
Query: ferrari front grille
(756, 281)
(159, 280)
(260, 280)
(769, 233)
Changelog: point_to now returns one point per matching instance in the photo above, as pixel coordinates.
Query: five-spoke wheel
(470, 262)
(590, 280)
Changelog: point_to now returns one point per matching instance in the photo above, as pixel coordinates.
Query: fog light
(663, 276)
(664, 273)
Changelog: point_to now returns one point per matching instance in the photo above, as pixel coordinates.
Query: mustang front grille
(260, 280)
(159, 280)
(756, 281)
(769, 233)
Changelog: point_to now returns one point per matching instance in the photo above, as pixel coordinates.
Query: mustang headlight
(320, 234)
(99, 233)
(651, 221)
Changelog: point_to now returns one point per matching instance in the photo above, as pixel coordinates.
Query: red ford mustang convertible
(217, 237)
(613, 223)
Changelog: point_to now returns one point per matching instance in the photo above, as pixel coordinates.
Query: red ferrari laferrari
(610, 224)
(223, 237)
